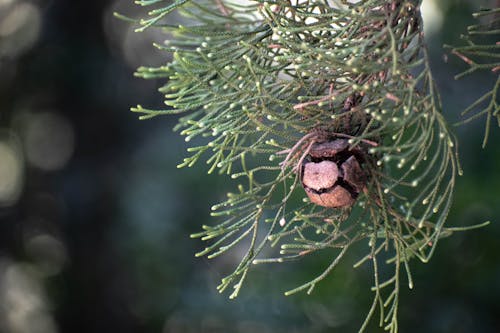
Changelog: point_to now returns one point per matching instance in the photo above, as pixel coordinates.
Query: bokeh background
(95, 217)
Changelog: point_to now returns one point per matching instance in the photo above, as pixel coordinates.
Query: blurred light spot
(23, 304)
(19, 27)
(432, 16)
(48, 139)
(4, 3)
(11, 173)
(47, 252)
(15, 19)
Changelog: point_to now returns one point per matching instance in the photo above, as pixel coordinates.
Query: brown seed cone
(333, 181)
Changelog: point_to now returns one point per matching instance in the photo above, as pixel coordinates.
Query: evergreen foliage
(481, 53)
(261, 81)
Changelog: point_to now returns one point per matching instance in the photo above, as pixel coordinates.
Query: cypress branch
(265, 82)
(481, 54)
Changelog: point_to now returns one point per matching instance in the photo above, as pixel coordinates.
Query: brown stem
(464, 58)
(222, 8)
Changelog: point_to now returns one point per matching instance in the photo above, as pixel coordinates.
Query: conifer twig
(265, 79)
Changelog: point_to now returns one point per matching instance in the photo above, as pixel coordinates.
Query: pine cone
(332, 175)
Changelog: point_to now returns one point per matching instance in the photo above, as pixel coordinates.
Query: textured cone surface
(338, 197)
(329, 148)
(329, 184)
(353, 174)
(322, 175)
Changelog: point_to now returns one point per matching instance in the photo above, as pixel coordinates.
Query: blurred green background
(95, 217)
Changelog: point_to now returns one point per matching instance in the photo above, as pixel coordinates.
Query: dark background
(95, 217)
